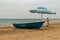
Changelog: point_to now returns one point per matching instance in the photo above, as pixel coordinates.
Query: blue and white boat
(34, 25)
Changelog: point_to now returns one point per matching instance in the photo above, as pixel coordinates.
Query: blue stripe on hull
(29, 25)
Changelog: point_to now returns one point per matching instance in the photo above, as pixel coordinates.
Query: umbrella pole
(41, 16)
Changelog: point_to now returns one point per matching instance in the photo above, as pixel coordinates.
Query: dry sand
(45, 33)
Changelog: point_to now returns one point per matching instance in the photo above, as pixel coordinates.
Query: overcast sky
(19, 8)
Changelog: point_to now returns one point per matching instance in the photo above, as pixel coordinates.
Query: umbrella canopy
(42, 10)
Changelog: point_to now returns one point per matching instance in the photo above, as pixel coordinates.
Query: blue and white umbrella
(42, 10)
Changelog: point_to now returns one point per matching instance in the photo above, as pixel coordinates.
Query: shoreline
(50, 23)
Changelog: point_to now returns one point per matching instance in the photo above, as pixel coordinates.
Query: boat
(34, 25)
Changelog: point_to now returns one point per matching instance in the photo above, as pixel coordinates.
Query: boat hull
(33, 25)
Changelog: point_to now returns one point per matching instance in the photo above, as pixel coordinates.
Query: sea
(11, 21)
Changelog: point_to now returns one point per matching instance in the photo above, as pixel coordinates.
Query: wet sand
(45, 33)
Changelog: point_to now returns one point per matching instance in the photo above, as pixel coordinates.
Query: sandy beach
(45, 33)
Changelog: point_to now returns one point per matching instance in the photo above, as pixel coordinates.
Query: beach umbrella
(42, 10)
